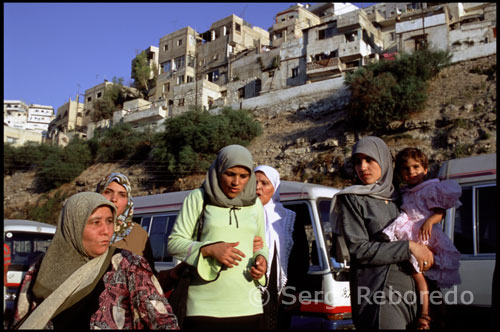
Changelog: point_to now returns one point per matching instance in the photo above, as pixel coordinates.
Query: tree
(141, 73)
(111, 100)
(392, 90)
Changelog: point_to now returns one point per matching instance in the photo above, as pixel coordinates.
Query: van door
(473, 230)
(317, 281)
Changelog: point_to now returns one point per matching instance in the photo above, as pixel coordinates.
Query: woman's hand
(259, 268)
(257, 243)
(225, 252)
(423, 254)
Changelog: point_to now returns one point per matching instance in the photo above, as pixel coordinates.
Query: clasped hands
(228, 255)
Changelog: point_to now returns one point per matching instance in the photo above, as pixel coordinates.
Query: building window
(321, 34)
(167, 66)
(213, 76)
(99, 94)
(180, 80)
(271, 73)
(179, 42)
(295, 72)
(393, 36)
(165, 48)
(166, 87)
(191, 60)
(237, 27)
(190, 79)
(180, 62)
(89, 99)
(350, 37)
(181, 102)
(241, 93)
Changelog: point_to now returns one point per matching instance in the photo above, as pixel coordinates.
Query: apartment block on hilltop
(68, 123)
(233, 61)
(23, 123)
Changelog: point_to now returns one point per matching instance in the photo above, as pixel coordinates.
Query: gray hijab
(66, 254)
(230, 156)
(383, 188)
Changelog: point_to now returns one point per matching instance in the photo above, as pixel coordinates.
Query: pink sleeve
(444, 194)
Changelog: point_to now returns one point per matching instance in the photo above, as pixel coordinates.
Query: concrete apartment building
(234, 61)
(68, 123)
(26, 123)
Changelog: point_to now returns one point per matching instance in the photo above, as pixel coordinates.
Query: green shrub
(391, 90)
(64, 165)
(120, 143)
(191, 140)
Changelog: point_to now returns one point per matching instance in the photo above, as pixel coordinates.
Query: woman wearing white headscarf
(83, 283)
(280, 234)
(382, 289)
(224, 294)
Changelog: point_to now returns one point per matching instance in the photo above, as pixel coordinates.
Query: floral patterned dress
(417, 206)
(131, 298)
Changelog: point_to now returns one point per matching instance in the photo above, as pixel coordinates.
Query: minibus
(27, 240)
(472, 228)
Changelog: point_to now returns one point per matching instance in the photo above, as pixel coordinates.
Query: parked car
(472, 228)
(326, 304)
(27, 240)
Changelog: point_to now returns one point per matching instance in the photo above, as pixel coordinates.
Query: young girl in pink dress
(424, 205)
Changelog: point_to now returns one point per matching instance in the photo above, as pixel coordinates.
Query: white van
(472, 228)
(27, 239)
(326, 302)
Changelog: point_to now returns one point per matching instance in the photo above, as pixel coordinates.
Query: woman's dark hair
(408, 153)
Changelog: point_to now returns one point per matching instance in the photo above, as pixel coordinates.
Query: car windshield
(25, 247)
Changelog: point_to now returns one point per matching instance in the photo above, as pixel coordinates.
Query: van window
(475, 220)
(159, 228)
(25, 247)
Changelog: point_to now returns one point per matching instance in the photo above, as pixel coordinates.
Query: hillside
(459, 120)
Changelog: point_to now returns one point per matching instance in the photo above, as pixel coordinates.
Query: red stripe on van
(12, 284)
(472, 174)
(321, 307)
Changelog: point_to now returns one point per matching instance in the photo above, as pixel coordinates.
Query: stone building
(68, 123)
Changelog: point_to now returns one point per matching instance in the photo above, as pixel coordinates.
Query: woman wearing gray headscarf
(224, 294)
(83, 283)
(382, 289)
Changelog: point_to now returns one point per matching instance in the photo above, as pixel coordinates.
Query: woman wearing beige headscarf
(224, 294)
(82, 282)
(380, 275)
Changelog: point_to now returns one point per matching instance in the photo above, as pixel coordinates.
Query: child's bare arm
(426, 229)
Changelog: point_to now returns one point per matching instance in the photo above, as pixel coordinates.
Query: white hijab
(279, 227)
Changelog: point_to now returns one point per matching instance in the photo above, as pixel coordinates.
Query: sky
(54, 51)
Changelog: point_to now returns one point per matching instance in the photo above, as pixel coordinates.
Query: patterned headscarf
(123, 224)
(230, 156)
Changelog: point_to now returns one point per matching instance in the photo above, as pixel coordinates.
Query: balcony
(152, 114)
(323, 67)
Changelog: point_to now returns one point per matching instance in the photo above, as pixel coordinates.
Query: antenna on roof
(243, 12)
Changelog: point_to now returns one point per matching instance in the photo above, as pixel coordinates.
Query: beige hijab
(67, 273)
(375, 148)
(230, 156)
